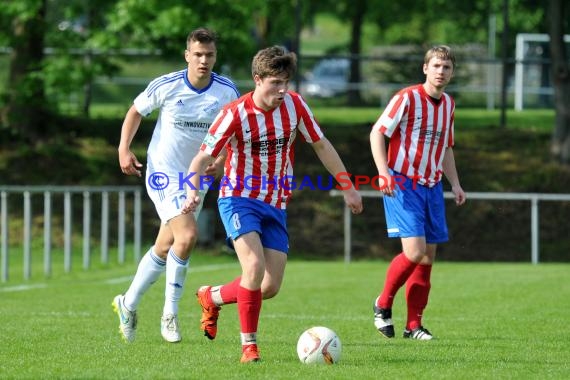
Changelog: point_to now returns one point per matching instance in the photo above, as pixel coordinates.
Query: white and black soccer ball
(319, 345)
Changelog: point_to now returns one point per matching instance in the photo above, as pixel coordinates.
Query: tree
(355, 11)
(36, 81)
(406, 22)
(84, 37)
(560, 143)
(165, 24)
(358, 11)
(74, 62)
(26, 110)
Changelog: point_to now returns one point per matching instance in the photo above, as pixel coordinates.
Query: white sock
(215, 292)
(248, 338)
(176, 269)
(150, 268)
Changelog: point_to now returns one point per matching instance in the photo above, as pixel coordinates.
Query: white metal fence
(534, 199)
(123, 194)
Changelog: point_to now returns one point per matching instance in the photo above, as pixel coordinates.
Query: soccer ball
(319, 345)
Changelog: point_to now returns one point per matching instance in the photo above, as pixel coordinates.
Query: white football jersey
(185, 116)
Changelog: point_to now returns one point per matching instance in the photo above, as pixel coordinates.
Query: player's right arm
(127, 159)
(384, 127)
(378, 147)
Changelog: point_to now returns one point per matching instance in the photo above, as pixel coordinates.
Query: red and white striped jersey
(260, 146)
(419, 130)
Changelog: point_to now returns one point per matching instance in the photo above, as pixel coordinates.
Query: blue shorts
(416, 210)
(242, 215)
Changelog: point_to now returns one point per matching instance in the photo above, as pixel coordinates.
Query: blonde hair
(442, 52)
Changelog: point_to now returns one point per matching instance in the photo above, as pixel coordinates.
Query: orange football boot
(210, 312)
(250, 354)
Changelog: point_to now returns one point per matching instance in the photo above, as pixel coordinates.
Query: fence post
(27, 235)
(534, 222)
(105, 227)
(68, 192)
(47, 233)
(121, 228)
(534, 229)
(86, 229)
(67, 231)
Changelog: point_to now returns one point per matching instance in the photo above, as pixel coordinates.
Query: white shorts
(164, 191)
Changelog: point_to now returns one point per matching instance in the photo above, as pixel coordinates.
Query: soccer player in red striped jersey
(258, 131)
(419, 122)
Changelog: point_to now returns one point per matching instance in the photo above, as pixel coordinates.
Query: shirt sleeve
(221, 130)
(310, 130)
(451, 135)
(392, 115)
(151, 98)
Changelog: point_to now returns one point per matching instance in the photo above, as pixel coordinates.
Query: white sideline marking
(118, 280)
(203, 268)
(21, 288)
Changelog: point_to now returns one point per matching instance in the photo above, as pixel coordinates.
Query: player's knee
(187, 241)
(161, 250)
(270, 291)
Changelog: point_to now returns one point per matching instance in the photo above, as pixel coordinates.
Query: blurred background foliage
(69, 69)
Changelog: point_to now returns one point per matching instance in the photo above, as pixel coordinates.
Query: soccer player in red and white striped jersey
(259, 145)
(419, 121)
(258, 132)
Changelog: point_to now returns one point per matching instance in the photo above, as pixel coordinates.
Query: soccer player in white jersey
(188, 101)
(419, 121)
(258, 131)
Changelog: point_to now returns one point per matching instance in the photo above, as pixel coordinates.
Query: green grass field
(492, 321)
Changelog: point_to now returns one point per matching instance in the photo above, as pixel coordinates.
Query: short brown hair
(274, 61)
(442, 52)
(202, 35)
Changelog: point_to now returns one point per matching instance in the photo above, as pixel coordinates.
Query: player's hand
(216, 169)
(129, 163)
(353, 200)
(191, 204)
(386, 184)
(460, 196)
(211, 170)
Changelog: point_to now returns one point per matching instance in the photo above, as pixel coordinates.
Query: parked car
(328, 78)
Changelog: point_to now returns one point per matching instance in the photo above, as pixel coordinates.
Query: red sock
(398, 272)
(229, 291)
(417, 293)
(249, 306)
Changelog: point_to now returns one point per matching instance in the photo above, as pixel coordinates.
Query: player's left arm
(196, 171)
(332, 162)
(450, 171)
